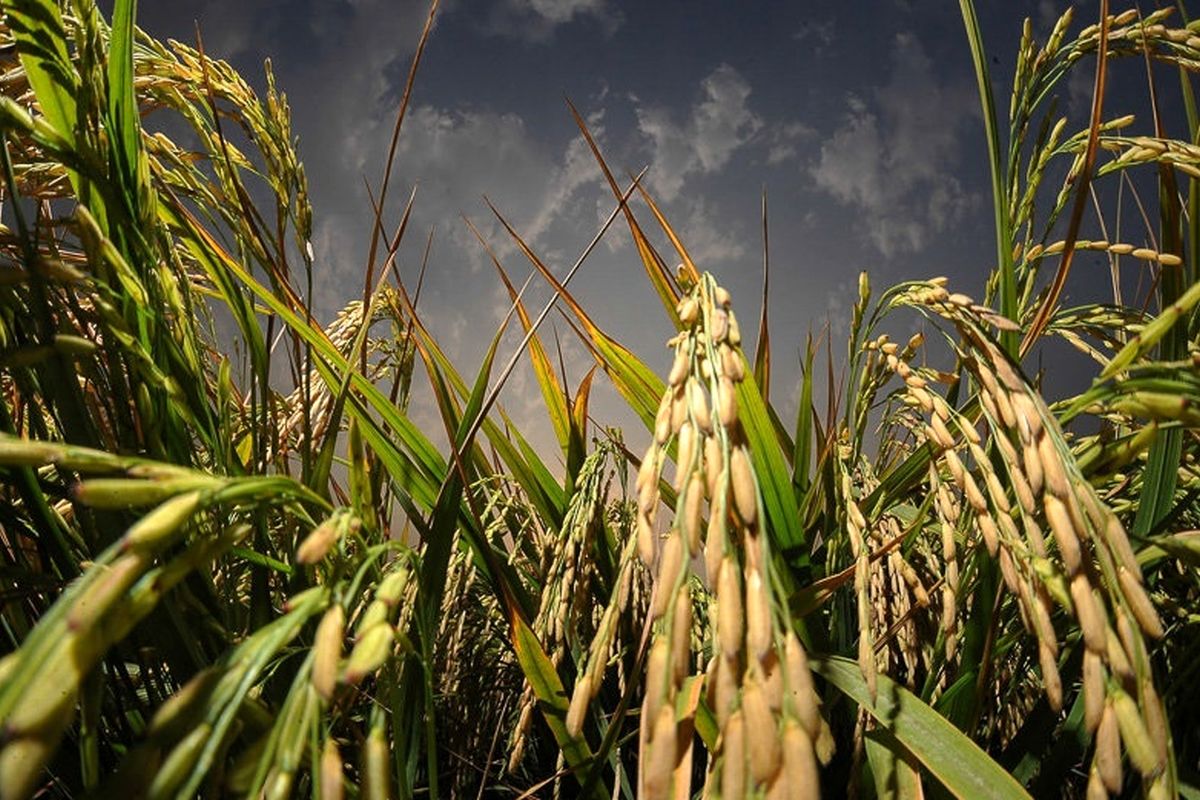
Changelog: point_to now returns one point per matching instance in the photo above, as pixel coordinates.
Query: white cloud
(817, 34)
(1081, 84)
(710, 241)
(339, 62)
(784, 140)
(537, 20)
(577, 170)
(892, 160)
(548, 192)
(458, 156)
(717, 125)
(560, 11)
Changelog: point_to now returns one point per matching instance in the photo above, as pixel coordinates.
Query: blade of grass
(553, 700)
(377, 223)
(660, 277)
(892, 766)
(512, 362)
(802, 457)
(1042, 317)
(1004, 262)
(41, 40)
(552, 391)
(948, 754)
(1162, 462)
(762, 348)
(124, 126)
(579, 427)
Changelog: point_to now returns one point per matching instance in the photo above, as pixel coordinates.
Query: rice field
(234, 565)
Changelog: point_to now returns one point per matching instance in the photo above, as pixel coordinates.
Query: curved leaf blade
(945, 751)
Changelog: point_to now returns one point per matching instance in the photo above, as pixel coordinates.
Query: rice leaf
(553, 701)
(41, 41)
(946, 752)
(1004, 238)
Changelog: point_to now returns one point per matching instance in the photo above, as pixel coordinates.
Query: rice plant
(220, 580)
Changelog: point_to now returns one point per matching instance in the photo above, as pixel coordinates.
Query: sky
(860, 120)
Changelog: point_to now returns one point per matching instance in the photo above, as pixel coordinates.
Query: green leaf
(552, 393)
(553, 701)
(1173, 310)
(41, 40)
(1008, 280)
(762, 347)
(642, 389)
(802, 452)
(522, 461)
(124, 123)
(1162, 463)
(579, 419)
(656, 269)
(774, 474)
(422, 463)
(946, 752)
(893, 766)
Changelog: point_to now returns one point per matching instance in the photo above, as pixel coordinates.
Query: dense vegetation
(214, 585)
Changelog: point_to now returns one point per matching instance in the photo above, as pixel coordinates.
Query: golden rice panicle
(1106, 759)
(684, 417)
(801, 696)
(581, 696)
(856, 527)
(799, 776)
(82, 626)
(763, 743)
(373, 648)
(756, 679)
(662, 751)
(668, 663)
(317, 544)
(594, 667)
(647, 503)
(376, 763)
(520, 731)
(23, 756)
(1095, 577)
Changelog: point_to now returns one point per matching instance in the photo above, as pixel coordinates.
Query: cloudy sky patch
(860, 122)
(894, 161)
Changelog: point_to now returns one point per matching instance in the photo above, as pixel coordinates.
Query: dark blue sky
(861, 120)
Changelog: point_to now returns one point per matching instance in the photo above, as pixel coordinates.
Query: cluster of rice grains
(566, 610)
(372, 620)
(890, 599)
(1009, 495)
(42, 682)
(312, 402)
(757, 681)
(477, 687)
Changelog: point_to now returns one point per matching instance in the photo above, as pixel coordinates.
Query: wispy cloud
(338, 61)
(538, 20)
(889, 158)
(817, 34)
(717, 125)
(1048, 13)
(784, 140)
(710, 241)
(455, 157)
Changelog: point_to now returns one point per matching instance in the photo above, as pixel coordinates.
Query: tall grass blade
(949, 755)
(1004, 238)
(762, 347)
